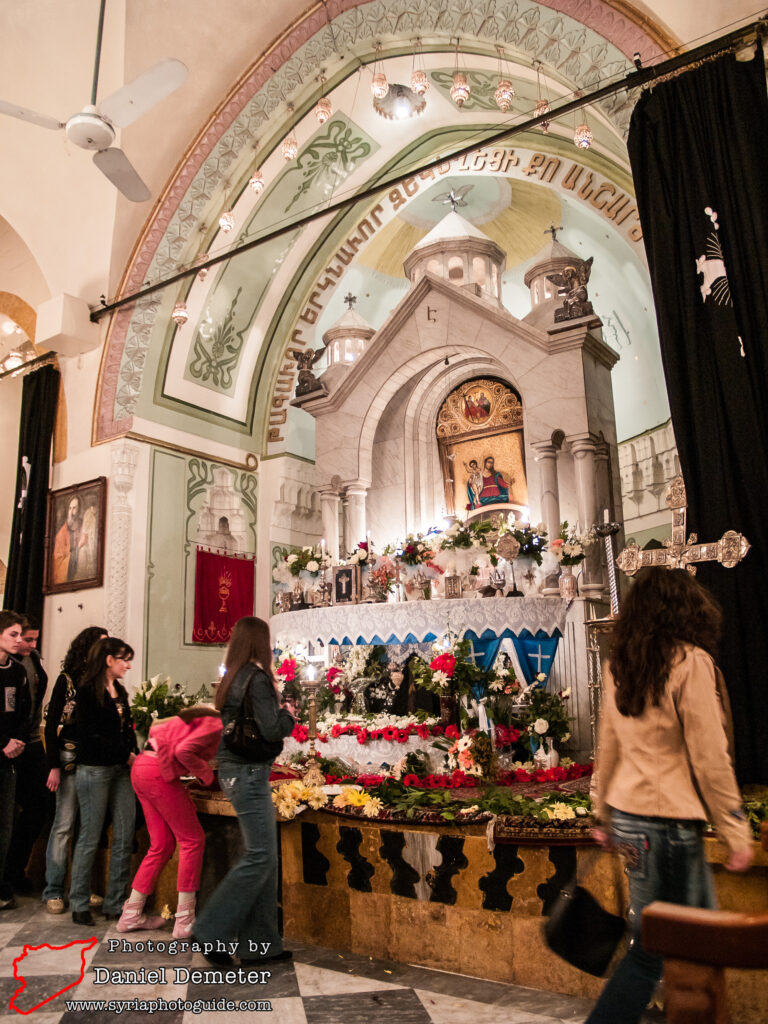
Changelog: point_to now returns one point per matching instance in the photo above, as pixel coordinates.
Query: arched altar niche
(482, 455)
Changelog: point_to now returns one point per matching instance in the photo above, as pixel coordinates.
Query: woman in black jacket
(244, 905)
(106, 748)
(60, 753)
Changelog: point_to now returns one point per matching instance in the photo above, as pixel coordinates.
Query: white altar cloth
(418, 621)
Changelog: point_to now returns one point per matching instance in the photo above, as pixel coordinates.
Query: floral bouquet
(383, 574)
(158, 698)
(294, 796)
(354, 798)
(545, 717)
(532, 540)
(452, 673)
(416, 550)
(570, 547)
(308, 559)
(473, 754)
(361, 554)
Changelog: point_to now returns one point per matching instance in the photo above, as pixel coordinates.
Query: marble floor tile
(319, 981)
(399, 1006)
(452, 1009)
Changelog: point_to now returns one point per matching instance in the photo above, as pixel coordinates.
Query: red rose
(452, 732)
(437, 730)
(444, 663)
(422, 731)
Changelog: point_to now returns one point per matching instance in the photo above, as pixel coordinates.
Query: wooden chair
(697, 946)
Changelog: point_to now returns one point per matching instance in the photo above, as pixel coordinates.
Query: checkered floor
(319, 986)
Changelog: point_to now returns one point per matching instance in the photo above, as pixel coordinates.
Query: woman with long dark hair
(106, 748)
(663, 766)
(61, 755)
(244, 906)
(178, 746)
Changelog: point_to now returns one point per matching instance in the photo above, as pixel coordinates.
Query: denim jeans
(664, 860)
(244, 904)
(7, 811)
(57, 851)
(99, 787)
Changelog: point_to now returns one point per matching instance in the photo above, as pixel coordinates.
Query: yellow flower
(559, 811)
(373, 807)
(316, 798)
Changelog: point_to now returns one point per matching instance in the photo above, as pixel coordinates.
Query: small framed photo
(74, 537)
(346, 584)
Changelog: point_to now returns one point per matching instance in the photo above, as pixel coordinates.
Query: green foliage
(158, 698)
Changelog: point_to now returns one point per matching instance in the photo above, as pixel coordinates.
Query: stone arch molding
(581, 41)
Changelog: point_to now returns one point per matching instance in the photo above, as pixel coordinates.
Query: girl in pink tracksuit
(179, 746)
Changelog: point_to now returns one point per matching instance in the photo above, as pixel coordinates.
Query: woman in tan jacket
(663, 766)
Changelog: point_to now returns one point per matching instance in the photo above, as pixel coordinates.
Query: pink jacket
(186, 748)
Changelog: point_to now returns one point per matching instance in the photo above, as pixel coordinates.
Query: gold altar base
(327, 907)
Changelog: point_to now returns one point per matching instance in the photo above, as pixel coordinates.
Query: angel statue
(306, 360)
(572, 285)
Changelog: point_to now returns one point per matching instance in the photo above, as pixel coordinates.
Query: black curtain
(26, 561)
(697, 146)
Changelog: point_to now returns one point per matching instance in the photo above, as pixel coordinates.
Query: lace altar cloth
(368, 756)
(417, 621)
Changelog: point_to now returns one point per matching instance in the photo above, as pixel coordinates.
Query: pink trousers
(171, 819)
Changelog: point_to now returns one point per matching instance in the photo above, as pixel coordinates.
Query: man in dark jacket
(33, 801)
(14, 722)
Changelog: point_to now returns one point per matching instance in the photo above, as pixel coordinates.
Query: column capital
(582, 445)
(544, 450)
(359, 487)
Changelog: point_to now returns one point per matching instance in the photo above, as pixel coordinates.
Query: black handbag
(242, 735)
(581, 932)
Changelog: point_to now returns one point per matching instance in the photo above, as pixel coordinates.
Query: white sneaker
(55, 905)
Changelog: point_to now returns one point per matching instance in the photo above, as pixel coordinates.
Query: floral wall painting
(480, 437)
(74, 540)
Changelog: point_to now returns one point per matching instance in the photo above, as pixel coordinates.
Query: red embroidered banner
(223, 594)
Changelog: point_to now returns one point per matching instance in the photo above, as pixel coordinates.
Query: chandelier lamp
(505, 91)
(582, 135)
(460, 89)
(323, 109)
(542, 103)
(180, 314)
(379, 83)
(419, 80)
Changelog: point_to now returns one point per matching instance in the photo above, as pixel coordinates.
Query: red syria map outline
(85, 943)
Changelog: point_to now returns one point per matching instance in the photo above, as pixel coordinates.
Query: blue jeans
(244, 905)
(664, 860)
(99, 787)
(57, 851)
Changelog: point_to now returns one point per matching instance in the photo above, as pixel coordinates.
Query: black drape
(697, 146)
(26, 561)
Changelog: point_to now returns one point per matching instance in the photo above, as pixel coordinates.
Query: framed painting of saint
(480, 440)
(74, 541)
(346, 584)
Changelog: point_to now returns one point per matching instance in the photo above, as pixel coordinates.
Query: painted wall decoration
(74, 544)
(480, 437)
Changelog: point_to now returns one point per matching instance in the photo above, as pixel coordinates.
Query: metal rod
(633, 80)
(97, 61)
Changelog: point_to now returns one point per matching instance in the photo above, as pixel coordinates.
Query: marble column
(329, 503)
(583, 449)
(604, 497)
(356, 493)
(124, 456)
(546, 457)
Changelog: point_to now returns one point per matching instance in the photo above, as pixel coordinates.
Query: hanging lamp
(419, 80)
(505, 91)
(542, 103)
(379, 84)
(460, 89)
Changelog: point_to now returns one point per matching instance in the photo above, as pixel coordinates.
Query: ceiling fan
(94, 127)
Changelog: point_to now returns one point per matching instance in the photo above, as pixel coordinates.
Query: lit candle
(310, 673)
(606, 516)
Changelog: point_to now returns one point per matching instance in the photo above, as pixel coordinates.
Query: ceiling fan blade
(14, 110)
(137, 97)
(116, 166)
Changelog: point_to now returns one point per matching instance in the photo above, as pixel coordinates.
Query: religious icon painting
(346, 584)
(74, 539)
